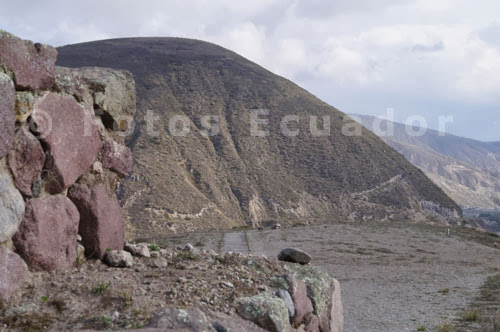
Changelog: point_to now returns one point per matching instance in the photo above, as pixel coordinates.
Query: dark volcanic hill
(233, 178)
(467, 170)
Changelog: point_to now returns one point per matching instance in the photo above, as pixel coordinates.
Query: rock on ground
(46, 238)
(320, 289)
(139, 249)
(302, 303)
(26, 160)
(11, 205)
(266, 310)
(118, 258)
(102, 223)
(294, 256)
(13, 273)
(71, 136)
(173, 319)
(33, 65)
(7, 113)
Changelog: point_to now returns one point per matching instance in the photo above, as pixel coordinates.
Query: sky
(422, 59)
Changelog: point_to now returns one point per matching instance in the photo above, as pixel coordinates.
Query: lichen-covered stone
(302, 304)
(33, 64)
(24, 105)
(46, 238)
(11, 205)
(118, 258)
(102, 223)
(117, 157)
(287, 298)
(71, 136)
(113, 92)
(7, 114)
(173, 319)
(225, 323)
(26, 160)
(320, 287)
(13, 274)
(266, 310)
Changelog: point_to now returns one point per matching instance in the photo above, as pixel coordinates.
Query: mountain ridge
(467, 169)
(197, 181)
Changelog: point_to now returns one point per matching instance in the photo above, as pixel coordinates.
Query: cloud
(424, 56)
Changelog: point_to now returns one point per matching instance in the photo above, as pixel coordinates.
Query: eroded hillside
(230, 179)
(467, 170)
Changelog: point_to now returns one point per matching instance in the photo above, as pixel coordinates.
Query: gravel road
(394, 278)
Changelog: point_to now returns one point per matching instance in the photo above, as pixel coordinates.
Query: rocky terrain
(62, 156)
(395, 277)
(226, 177)
(60, 164)
(209, 291)
(467, 170)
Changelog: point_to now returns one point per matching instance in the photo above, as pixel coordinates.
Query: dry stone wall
(62, 155)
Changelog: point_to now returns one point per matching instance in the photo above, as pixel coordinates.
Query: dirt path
(391, 276)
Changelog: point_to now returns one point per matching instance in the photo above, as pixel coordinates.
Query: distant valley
(466, 169)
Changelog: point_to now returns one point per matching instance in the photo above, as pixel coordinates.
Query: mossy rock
(266, 310)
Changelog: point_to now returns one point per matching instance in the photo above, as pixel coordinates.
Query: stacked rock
(62, 155)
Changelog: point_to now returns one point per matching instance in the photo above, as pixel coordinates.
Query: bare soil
(395, 277)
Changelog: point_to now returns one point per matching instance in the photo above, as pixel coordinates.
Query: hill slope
(467, 170)
(234, 178)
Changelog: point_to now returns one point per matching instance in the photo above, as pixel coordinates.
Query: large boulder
(102, 223)
(337, 312)
(26, 160)
(47, 236)
(11, 205)
(7, 113)
(294, 255)
(71, 136)
(33, 65)
(13, 273)
(301, 302)
(112, 91)
(226, 323)
(117, 157)
(266, 310)
(324, 293)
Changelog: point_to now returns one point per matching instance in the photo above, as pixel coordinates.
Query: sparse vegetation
(154, 247)
(445, 327)
(470, 316)
(101, 288)
(80, 259)
(421, 328)
(126, 296)
(187, 255)
(444, 291)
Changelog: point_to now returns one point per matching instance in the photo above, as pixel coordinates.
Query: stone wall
(62, 155)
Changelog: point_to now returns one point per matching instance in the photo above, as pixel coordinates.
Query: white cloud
(433, 53)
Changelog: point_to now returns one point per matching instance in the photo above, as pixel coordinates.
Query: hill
(467, 170)
(234, 178)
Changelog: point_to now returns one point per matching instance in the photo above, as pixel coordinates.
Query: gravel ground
(394, 277)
